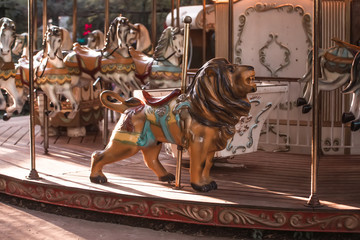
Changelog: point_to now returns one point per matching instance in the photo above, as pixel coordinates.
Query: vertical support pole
(153, 23)
(44, 17)
(172, 12)
(178, 13)
(106, 111)
(45, 102)
(35, 25)
(106, 24)
(74, 20)
(46, 125)
(33, 173)
(230, 31)
(315, 153)
(204, 33)
(187, 22)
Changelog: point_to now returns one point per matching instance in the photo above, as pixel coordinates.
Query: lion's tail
(119, 106)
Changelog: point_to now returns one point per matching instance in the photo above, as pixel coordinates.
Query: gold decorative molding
(264, 7)
(349, 222)
(107, 203)
(229, 216)
(19, 189)
(199, 214)
(2, 184)
(79, 199)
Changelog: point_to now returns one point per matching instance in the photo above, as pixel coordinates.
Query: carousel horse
(95, 40)
(51, 74)
(112, 64)
(335, 65)
(140, 37)
(163, 70)
(202, 120)
(7, 69)
(20, 45)
(354, 87)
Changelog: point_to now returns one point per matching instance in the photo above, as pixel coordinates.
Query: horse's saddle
(337, 64)
(158, 101)
(89, 60)
(142, 63)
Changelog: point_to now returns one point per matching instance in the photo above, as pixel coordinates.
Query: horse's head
(95, 40)
(7, 36)
(52, 42)
(177, 41)
(170, 44)
(118, 33)
(122, 32)
(20, 43)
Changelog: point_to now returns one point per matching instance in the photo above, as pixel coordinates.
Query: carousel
(260, 133)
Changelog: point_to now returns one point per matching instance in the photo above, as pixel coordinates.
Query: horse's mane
(165, 40)
(213, 102)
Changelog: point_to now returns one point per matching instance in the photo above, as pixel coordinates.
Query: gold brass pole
(204, 33)
(230, 30)
(106, 110)
(35, 25)
(44, 17)
(187, 22)
(74, 20)
(33, 173)
(315, 151)
(45, 112)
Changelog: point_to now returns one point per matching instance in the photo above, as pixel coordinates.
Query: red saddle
(158, 101)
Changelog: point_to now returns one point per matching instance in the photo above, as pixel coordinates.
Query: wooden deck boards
(274, 179)
(256, 180)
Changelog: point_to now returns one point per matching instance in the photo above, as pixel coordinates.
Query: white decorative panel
(274, 37)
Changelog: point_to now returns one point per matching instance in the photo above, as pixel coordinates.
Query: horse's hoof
(204, 188)
(347, 117)
(355, 125)
(167, 178)
(98, 179)
(6, 117)
(300, 102)
(306, 108)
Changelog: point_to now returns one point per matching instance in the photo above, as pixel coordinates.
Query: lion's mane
(213, 102)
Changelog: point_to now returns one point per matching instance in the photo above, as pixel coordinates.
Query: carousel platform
(256, 190)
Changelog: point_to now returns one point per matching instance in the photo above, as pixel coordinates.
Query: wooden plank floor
(275, 180)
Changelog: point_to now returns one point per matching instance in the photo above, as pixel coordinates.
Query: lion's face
(242, 80)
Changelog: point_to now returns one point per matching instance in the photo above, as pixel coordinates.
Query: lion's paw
(98, 179)
(205, 188)
(167, 178)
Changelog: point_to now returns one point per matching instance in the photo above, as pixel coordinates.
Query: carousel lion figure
(201, 120)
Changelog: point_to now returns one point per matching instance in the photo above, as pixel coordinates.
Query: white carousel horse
(52, 76)
(164, 69)
(335, 65)
(354, 87)
(95, 40)
(139, 35)
(113, 64)
(21, 45)
(7, 69)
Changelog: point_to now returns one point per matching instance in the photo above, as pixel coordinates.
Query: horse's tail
(355, 76)
(122, 105)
